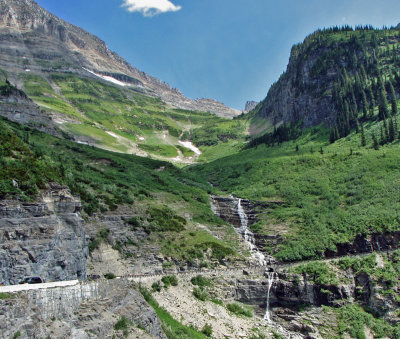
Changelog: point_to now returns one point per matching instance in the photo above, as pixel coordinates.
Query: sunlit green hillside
(119, 119)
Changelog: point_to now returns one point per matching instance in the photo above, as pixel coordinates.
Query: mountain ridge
(308, 90)
(23, 21)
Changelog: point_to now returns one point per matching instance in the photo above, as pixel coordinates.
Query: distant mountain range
(34, 40)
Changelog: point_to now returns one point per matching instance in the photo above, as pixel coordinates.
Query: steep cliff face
(293, 96)
(76, 311)
(334, 71)
(34, 40)
(45, 239)
(250, 105)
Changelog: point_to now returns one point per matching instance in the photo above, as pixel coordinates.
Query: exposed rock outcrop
(45, 239)
(367, 244)
(75, 311)
(34, 40)
(17, 107)
(285, 292)
(250, 105)
(287, 101)
(226, 209)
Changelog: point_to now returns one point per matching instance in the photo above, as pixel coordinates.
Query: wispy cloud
(150, 8)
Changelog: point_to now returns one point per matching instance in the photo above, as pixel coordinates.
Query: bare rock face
(45, 239)
(34, 40)
(367, 244)
(17, 107)
(285, 292)
(250, 105)
(76, 311)
(297, 94)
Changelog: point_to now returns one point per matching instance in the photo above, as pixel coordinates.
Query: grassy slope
(330, 192)
(98, 107)
(328, 198)
(156, 190)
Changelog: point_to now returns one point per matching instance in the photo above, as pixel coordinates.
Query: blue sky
(229, 50)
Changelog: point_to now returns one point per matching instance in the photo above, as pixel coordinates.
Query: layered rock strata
(81, 311)
(46, 239)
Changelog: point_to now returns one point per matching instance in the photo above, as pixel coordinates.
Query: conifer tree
(393, 98)
(383, 109)
(372, 101)
(337, 135)
(375, 143)
(363, 141)
(392, 133)
(364, 104)
(364, 77)
(385, 130)
(383, 140)
(332, 137)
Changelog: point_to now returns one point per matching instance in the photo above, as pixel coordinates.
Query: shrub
(200, 293)
(110, 276)
(156, 287)
(207, 330)
(122, 325)
(163, 219)
(6, 296)
(319, 272)
(134, 222)
(217, 301)
(199, 280)
(169, 280)
(239, 310)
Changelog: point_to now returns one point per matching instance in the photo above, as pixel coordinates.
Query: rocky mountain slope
(34, 40)
(331, 67)
(305, 204)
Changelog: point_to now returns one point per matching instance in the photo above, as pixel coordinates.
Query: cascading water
(271, 279)
(226, 210)
(255, 253)
(248, 236)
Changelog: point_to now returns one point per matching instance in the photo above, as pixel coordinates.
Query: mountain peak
(47, 44)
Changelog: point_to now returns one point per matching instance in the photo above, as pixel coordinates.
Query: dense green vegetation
(319, 272)
(158, 191)
(6, 296)
(23, 171)
(322, 194)
(240, 310)
(387, 274)
(170, 280)
(327, 194)
(353, 320)
(201, 281)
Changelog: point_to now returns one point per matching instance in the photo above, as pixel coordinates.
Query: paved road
(27, 287)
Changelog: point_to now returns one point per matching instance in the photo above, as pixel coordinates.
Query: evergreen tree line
(355, 99)
(389, 132)
(284, 132)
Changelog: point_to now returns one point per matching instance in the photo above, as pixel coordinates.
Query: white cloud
(150, 8)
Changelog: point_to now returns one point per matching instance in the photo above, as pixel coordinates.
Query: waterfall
(248, 236)
(244, 220)
(271, 279)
